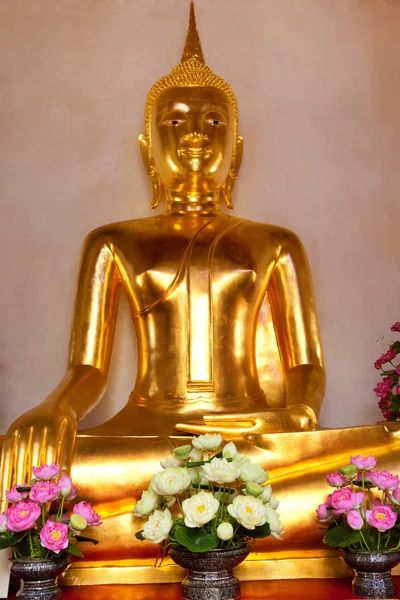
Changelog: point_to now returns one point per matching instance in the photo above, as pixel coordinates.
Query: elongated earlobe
(151, 170)
(227, 188)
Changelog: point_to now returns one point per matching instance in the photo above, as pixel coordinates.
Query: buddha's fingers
(222, 427)
(7, 469)
(65, 445)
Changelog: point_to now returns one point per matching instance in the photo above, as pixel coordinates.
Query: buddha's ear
(148, 161)
(227, 188)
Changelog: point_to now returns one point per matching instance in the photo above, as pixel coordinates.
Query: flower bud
(225, 531)
(349, 471)
(182, 451)
(253, 488)
(229, 451)
(78, 522)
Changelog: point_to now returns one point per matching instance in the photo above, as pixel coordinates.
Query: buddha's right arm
(47, 432)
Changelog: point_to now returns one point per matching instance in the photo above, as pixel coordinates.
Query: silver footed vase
(38, 577)
(373, 577)
(210, 574)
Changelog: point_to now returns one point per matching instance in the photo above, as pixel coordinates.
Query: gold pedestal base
(257, 567)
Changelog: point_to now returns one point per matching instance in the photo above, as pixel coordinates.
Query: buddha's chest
(216, 264)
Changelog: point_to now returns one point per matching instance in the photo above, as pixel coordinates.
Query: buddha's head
(191, 146)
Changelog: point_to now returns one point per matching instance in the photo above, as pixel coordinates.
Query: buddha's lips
(195, 152)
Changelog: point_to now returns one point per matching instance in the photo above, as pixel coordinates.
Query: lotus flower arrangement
(208, 496)
(37, 525)
(388, 389)
(361, 514)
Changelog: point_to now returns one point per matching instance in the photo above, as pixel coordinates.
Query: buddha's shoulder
(269, 232)
(119, 230)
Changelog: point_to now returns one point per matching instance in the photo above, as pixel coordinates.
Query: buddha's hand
(297, 417)
(44, 434)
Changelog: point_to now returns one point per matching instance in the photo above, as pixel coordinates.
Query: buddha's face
(192, 137)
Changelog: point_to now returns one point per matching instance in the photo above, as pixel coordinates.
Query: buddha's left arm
(296, 326)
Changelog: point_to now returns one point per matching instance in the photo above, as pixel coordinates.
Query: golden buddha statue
(228, 340)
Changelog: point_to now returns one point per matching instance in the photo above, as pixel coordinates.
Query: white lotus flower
(248, 511)
(221, 471)
(253, 472)
(158, 526)
(199, 509)
(147, 504)
(208, 441)
(172, 480)
(274, 522)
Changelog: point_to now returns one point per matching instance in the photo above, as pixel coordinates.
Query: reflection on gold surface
(227, 331)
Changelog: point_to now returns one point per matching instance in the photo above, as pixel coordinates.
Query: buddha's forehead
(193, 98)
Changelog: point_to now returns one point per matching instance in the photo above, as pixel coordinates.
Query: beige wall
(318, 83)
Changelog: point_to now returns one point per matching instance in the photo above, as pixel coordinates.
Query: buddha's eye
(174, 122)
(215, 122)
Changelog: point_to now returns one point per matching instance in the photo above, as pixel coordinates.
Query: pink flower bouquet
(361, 514)
(388, 389)
(37, 525)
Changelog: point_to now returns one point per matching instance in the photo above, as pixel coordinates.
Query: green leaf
(262, 531)
(11, 538)
(82, 538)
(396, 346)
(196, 540)
(395, 403)
(342, 536)
(73, 549)
(139, 536)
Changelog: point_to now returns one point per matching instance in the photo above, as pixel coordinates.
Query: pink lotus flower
(14, 496)
(381, 517)
(3, 522)
(395, 326)
(345, 500)
(384, 480)
(394, 498)
(46, 472)
(23, 515)
(363, 464)
(44, 491)
(85, 509)
(354, 519)
(323, 513)
(337, 480)
(54, 536)
(64, 487)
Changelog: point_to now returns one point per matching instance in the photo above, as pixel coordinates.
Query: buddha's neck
(179, 203)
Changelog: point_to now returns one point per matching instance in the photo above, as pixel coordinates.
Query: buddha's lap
(111, 473)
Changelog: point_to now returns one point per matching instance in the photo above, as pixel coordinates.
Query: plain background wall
(318, 84)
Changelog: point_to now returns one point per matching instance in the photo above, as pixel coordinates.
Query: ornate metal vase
(38, 577)
(373, 578)
(210, 574)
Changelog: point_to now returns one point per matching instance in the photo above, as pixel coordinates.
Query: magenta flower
(395, 326)
(85, 509)
(363, 464)
(394, 498)
(383, 388)
(64, 486)
(384, 480)
(3, 522)
(14, 496)
(44, 491)
(345, 500)
(54, 536)
(382, 517)
(355, 520)
(323, 513)
(336, 480)
(23, 515)
(46, 472)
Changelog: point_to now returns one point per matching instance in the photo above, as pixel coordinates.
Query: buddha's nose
(195, 138)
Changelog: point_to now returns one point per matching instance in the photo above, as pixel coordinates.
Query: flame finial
(192, 47)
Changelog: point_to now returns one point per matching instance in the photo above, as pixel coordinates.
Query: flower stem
(363, 539)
